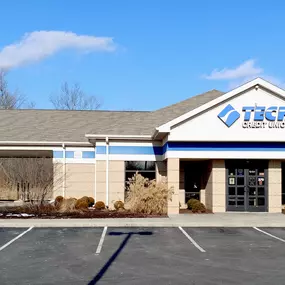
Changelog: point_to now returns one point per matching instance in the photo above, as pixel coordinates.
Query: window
(145, 168)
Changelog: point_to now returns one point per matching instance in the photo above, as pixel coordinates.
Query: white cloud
(41, 44)
(242, 74)
(246, 70)
(276, 81)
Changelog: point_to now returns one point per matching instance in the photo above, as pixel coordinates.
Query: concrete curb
(216, 220)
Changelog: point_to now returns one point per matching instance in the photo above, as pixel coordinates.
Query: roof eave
(118, 137)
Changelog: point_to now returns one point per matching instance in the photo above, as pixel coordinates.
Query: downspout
(107, 171)
(95, 175)
(64, 170)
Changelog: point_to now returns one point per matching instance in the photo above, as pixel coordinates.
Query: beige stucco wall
(173, 181)
(274, 186)
(79, 180)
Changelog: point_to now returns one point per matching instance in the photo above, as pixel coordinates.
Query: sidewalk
(183, 220)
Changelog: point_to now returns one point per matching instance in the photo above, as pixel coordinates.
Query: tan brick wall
(79, 180)
(203, 196)
(219, 186)
(173, 181)
(215, 186)
(274, 186)
(161, 170)
(8, 194)
(101, 180)
(116, 182)
(208, 181)
(58, 177)
(182, 176)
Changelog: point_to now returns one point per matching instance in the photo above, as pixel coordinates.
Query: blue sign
(229, 115)
(254, 116)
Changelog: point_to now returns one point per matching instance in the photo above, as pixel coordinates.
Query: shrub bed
(195, 206)
(119, 205)
(147, 196)
(52, 212)
(99, 205)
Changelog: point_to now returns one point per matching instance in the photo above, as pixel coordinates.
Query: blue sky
(140, 54)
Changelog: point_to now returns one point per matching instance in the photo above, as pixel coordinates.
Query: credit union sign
(254, 117)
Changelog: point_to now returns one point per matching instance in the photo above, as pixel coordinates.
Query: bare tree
(33, 179)
(9, 99)
(72, 97)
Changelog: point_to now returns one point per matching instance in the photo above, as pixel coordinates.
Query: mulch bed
(187, 211)
(10, 213)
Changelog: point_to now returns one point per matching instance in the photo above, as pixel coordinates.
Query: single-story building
(226, 149)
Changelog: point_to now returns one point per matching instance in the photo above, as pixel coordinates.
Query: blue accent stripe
(100, 150)
(140, 150)
(69, 154)
(57, 154)
(224, 146)
(88, 154)
(178, 146)
(135, 150)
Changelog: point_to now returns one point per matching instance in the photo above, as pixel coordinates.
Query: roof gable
(256, 113)
(168, 113)
(258, 82)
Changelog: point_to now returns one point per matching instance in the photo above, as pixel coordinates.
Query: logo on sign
(254, 117)
(228, 115)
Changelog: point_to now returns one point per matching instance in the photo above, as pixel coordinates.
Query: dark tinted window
(145, 168)
(140, 165)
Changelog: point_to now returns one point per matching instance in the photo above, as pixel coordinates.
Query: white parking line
(17, 237)
(192, 240)
(98, 250)
(266, 233)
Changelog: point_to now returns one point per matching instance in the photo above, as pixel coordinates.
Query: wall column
(173, 181)
(101, 180)
(274, 186)
(218, 186)
(116, 182)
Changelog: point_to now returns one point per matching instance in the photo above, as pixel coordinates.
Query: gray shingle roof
(171, 112)
(71, 126)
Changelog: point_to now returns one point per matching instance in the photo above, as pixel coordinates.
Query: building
(225, 149)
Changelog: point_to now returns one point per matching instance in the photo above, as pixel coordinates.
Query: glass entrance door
(247, 185)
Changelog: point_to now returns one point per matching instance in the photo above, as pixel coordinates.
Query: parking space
(142, 256)
(278, 232)
(7, 234)
(150, 255)
(50, 256)
(241, 255)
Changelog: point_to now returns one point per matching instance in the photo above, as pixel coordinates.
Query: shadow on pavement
(116, 253)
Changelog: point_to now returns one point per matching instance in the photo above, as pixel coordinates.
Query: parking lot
(142, 255)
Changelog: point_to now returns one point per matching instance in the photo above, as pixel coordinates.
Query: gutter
(119, 137)
(40, 143)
